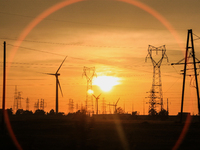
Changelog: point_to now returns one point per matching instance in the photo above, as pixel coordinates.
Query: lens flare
(65, 3)
(90, 91)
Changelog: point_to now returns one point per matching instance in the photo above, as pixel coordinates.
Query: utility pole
(132, 106)
(124, 106)
(156, 96)
(143, 107)
(190, 53)
(167, 106)
(4, 88)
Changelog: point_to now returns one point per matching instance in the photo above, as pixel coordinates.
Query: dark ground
(61, 133)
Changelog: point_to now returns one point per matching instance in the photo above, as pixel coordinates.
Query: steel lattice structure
(156, 96)
(71, 105)
(89, 73)
(17, 100)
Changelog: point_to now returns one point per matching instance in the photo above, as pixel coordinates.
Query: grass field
(61, 133)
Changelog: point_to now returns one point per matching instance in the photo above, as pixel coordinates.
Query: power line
(29, 64)
(35, 50)
(71, 44)
(198, 37)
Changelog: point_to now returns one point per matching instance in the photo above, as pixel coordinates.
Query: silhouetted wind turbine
(115, 105)
(97, 98)
(57, 84)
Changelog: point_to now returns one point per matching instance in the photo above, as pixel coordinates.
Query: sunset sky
(112, 36)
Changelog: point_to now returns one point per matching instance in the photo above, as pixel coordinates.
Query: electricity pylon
(189, 54)
(103, 106)
(42, 104)
(89, 73)
(156, 96)
(27, 104)
(71, 105)
(17, 100)
(37, 105)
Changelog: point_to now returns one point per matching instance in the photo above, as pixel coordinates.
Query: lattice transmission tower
(37, 105)
(156, 96)
(71, 105)
(89, 73)
(27, 104)
(103, 106)
(17, 100)
(42, 104)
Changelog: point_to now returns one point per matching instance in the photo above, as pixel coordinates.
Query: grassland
(62, 133)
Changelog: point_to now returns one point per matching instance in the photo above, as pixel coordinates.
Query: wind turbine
(115, 105)
(57, 84)
(97, 98)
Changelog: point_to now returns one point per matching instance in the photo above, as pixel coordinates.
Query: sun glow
(106, 82)
(90, 91)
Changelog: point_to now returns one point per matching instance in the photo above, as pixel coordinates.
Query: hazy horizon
(112, 36)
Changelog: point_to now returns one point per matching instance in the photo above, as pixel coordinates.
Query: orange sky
(111, 36)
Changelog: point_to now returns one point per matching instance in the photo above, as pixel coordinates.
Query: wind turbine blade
(94, 96)
(117, 101)
(60, 87)
(99, 95)
(49, 74)
(61, 65)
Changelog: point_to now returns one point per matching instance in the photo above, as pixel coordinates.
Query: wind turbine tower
(89, 73)
(97, 99)
(156, 96)
(57, 84)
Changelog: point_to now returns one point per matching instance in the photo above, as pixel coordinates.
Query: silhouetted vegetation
(27, 112)
(19, 112)
(84, 132)
(153, 112)
(9, 111)
(119, 110)
(39, 112)
(134, 113)
(163, 114)
(51, 112)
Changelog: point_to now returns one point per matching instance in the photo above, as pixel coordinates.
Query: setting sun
(106, 82)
